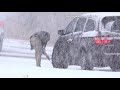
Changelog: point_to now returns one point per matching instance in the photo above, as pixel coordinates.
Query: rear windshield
(111, 23)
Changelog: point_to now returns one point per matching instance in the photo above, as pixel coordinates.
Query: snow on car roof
(102, 14)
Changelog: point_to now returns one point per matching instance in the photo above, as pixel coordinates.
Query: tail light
(101, 40)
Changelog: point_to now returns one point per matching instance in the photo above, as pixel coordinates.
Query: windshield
(111, 23)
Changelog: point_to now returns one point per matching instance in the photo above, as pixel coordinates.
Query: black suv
(91, 40)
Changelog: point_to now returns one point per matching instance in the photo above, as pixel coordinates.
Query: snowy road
(17, 61)
(19, 48)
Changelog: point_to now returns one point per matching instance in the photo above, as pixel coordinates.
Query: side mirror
(61, 32)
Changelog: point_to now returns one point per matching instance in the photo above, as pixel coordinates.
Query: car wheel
(61, 64)
(114, 63)
(86, 60)
(60, 56)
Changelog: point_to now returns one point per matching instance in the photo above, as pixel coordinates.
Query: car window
(71, 26)
(111, 23)
(80, 24)
(90, 25)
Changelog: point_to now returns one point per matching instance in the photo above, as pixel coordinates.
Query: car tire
(114, 63)
(86, 60)
(61, 64)
(60, 56)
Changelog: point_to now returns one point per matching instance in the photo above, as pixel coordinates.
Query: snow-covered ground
(18, 61)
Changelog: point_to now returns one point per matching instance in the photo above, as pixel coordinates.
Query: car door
(69, 30)
(88, 34)
(62, 45)
(88, 43)
(65, 47)
(74, 34)
(75, 41)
